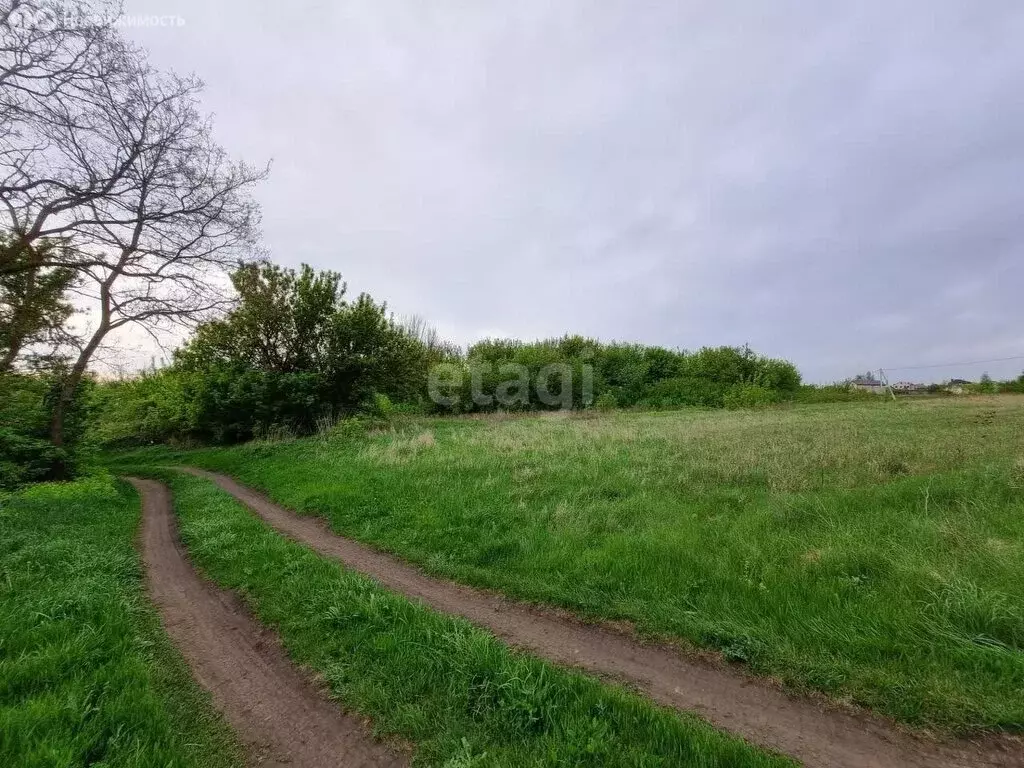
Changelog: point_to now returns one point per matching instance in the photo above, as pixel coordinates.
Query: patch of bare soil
(280, 717)
(814, 732)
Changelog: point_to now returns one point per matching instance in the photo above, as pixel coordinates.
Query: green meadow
(870, 551)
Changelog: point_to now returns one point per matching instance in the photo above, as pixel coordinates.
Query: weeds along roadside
(87, 675)
(460, 696)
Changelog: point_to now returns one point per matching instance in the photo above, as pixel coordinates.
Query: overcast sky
(840, 184)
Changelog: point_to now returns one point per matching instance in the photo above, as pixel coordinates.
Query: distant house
(908, 387)
(958, 386)
(867, 383)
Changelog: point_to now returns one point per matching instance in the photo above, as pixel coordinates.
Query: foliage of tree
(628, 375)
(26, 452)
(289, 321)
(34, 305)
(292, 354)
(282, 322)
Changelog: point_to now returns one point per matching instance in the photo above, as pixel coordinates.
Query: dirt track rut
(279, 716)
(802, 728)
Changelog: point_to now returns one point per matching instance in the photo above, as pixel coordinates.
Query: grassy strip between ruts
(87, 676)
(462, 697)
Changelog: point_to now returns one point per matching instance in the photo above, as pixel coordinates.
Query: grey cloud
(837, 184)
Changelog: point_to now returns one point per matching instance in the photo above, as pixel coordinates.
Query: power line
(952, 365)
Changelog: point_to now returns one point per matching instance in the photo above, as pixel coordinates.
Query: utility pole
(885, 380)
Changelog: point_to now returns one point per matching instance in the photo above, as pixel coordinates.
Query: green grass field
(87, 676)
(871, 551)
(459, 696)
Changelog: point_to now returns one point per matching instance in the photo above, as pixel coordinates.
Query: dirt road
(279, 716)
(808, 730)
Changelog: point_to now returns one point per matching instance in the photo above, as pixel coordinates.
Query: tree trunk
(70, 386)
(9, 357)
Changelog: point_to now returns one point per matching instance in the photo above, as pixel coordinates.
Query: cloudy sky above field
(835, 183)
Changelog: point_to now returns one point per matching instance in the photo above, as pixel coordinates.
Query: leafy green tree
(294, 352)
(368, 353)
(281, 323)
(33, 299)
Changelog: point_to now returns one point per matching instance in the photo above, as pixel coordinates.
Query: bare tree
(438, 348)
(54, 56)
(57, 60)
(51, 49)
(123, 171)
(157, 244)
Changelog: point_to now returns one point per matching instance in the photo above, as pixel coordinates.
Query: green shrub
(632, 374)
(26, 453)
(684, 391)
(831, 393)
(382, 406)
(293, 356)
(152, 408)
(749, 396)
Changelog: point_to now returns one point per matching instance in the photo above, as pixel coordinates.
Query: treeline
(578, 372)
(989, 386)
(844, 393)
(1015, 386)
(295, 355)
